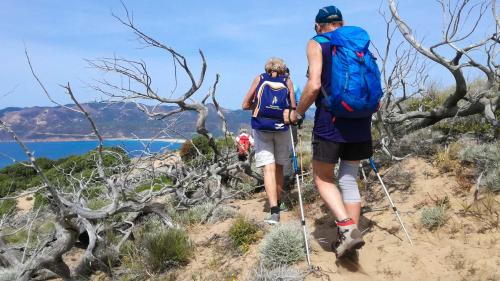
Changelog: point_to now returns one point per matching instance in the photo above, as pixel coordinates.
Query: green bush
(157, 184)
(243, 233)
(166, 248)
(433, 99)
(434, 217)
(40, 200)
(7, 206)
(18, 237)
(188, 151)
(18, 177)
(97, 203)
(225, 143)
(284, 244)
(477, 125)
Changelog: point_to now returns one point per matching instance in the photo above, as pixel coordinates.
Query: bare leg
(353, 211)
(270, 183)
(323, 177)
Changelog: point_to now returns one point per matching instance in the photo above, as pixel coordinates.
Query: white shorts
(272, 147)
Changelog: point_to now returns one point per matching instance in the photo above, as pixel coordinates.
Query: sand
(465, 248)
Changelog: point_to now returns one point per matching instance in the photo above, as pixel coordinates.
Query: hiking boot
(273, 219)
(349, 239)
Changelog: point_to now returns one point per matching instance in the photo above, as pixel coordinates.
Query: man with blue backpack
(344, 83)
(271, 97)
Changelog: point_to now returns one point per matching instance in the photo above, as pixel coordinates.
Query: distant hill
(117, 120)
(114, 120)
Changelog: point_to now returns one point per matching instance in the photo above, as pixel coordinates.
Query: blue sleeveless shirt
(326, 125)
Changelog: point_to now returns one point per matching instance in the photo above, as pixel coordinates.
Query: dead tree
(69, 204)
(405, 76)
(139, 87)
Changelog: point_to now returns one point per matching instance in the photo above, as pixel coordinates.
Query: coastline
(105, 139)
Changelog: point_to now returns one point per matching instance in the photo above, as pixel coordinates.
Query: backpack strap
(321, 39)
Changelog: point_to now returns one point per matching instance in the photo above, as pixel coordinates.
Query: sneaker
(349, 239)
(273, 219)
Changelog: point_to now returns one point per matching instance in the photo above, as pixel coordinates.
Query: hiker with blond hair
(271, 97)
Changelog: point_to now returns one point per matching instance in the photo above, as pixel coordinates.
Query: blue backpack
(271, 99)
(356, 89)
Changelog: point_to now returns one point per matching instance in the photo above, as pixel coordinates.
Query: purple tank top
(326, 125)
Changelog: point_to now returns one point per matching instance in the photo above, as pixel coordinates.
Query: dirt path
(466, 248)
(24, 204)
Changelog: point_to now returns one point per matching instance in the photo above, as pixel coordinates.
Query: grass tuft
(434, 217)
(166, 248)
(243, 233)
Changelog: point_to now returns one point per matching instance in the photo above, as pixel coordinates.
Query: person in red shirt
(245, 143)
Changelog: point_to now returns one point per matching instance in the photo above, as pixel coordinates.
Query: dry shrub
(486, 158)
(309, 192)
(447, 160)
(284, 244)
(485, 210)
(421, 143)
(492, 179)
(198, 213)
(399, 179)
(282, 273)
(7, 274)
(464, 178)
(434, 217)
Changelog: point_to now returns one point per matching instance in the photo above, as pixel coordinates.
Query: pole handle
(295, 165)
(372, 163)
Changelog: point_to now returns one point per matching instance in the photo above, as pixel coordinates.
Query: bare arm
(313, 85)
(289, 84)
(247, 101)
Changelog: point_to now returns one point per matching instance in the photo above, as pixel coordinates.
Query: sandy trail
(464, 249)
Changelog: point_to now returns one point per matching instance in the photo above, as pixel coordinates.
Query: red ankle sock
(345, 222)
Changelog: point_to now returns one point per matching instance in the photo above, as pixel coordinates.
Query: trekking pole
(303, 221)
(372, 163)
(301, 157)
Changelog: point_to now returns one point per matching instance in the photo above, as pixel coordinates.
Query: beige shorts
(272, 147)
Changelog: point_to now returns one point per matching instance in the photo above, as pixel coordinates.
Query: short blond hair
(275, 65)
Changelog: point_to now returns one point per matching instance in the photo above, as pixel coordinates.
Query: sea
(10, 151)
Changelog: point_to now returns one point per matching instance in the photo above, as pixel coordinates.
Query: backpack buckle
(361, 57)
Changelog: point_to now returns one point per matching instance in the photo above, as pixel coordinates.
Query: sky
(237, 37)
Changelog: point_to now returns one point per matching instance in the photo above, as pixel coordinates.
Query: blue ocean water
(56, 150)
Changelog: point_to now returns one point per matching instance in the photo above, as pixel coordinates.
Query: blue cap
(328, 14)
